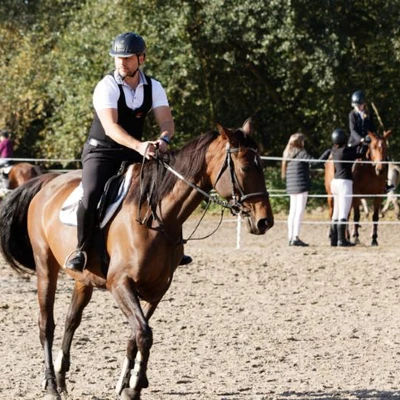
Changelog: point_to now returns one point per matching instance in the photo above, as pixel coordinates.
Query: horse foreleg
(392, 198)
(133, 375)
(46, 285)
(386, 206)
(396, 206)
(356, 210)
(80, 299)
(365, 207)
(330, 210)
(375, 219)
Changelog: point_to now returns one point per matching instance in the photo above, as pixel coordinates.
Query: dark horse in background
(369, 178)
(143, 240)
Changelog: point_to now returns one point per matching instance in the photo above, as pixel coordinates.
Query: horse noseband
(236, 204)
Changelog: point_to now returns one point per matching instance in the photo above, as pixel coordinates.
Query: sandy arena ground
(266, 321)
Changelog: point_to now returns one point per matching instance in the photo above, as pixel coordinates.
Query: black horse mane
(188, 161)
(158, 181)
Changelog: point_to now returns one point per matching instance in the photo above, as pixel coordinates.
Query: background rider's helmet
(127, 44)
(4, 134)
(338, 136)
(357, 98)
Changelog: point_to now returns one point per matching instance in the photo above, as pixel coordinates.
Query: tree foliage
(292, 66)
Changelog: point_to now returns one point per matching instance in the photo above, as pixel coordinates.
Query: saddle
(115, 190)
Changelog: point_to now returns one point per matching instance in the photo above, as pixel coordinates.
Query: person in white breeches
(342, 184)
(342, 190)
(297, 207)
(296, 172)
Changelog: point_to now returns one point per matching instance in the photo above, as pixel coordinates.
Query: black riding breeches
(98, 166)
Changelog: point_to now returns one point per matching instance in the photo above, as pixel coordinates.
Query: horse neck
(179, 205)
(183, 199)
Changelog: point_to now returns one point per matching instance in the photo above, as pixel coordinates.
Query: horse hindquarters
(15, 243)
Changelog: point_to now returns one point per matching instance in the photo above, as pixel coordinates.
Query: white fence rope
(316, 160)
(364, 196)
(61, 160)
(277, 191)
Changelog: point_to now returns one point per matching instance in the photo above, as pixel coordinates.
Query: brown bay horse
(369, 178)
(22, 172)
(143, 240)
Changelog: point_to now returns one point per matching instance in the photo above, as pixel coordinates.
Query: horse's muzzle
(261, 226)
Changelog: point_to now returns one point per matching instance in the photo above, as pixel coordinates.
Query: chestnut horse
(143, 240)
(368, 178)
(22, 172)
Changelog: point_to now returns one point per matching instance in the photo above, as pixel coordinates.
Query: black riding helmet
(127, 44)
(357, 98)
(338, 136)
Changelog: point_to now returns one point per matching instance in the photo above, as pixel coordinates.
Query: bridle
(235, 205)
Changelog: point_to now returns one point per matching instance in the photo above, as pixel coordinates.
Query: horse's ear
(228, 135)
(247, 127)
(224, 132)
(388, 133)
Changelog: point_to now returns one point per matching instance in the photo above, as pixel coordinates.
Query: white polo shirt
(106, 93)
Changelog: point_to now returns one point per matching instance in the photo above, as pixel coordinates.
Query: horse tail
(15, 245)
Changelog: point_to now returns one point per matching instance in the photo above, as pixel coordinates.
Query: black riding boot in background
(85, 228)
(333, 235)
(341, 229)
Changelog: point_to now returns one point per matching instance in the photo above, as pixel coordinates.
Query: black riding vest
(131, 120)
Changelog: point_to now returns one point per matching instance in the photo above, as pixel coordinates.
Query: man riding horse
(121, 100)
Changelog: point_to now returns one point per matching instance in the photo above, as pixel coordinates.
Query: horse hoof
(51, 390)
(374, 243)
(52, 396)
(130, 394)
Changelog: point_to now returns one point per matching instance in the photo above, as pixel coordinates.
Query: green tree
(289, 65)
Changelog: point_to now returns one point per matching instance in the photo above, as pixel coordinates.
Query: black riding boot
(333, 235)
(85, 221)
(341, 229)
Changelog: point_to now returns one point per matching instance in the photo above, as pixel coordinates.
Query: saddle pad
(68, 209)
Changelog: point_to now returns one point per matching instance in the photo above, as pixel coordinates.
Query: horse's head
(234, 167)
(377, 151)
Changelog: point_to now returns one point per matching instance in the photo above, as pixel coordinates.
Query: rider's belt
(102, 143)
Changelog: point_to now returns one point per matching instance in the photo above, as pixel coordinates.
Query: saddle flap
(116, 190)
